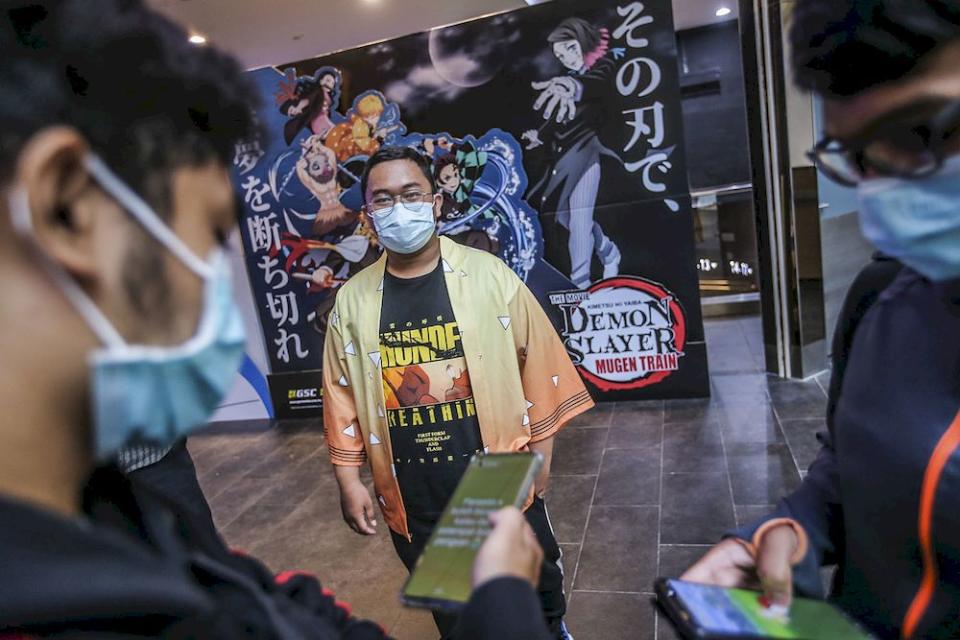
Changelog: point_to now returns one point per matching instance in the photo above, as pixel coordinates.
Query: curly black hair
(146, 100)
(842, 47)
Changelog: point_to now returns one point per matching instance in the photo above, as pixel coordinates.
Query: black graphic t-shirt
(429, 401)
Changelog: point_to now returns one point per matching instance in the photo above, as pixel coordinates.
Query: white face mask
(146, 394)
(405, 228)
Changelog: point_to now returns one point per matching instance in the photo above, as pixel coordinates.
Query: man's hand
(357, 507)
(511, 550)
(730, 564)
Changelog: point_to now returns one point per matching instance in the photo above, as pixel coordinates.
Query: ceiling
(266, 32)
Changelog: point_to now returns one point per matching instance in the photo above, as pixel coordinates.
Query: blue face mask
(405, 228)
(145, 394)
(916, 221)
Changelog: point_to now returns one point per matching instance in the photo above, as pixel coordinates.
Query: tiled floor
(638, 490)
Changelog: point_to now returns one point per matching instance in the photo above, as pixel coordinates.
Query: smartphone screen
(718, 612)
(442, 576)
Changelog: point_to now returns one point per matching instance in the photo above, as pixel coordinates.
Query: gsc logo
(301, 394)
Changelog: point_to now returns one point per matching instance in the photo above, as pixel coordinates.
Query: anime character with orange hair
(361, 134)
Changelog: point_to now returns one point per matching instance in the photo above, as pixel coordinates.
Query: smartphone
(706, 612)
(442, 577)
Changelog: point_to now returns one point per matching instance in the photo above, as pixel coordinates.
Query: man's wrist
(350, 483)
(802, 542)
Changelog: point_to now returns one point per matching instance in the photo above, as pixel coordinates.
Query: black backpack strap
(863, 293)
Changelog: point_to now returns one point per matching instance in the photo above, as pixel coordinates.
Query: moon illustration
(467, 56)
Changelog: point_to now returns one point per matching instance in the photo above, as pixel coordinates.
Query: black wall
(714, 110)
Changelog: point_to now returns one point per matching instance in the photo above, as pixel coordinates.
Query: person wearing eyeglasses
(398, 328)
(882, 499)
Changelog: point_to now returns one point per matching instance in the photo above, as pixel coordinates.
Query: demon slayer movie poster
(556, 142)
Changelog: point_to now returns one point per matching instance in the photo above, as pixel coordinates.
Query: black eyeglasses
(891, 148)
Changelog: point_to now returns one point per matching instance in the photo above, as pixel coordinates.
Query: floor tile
(625, 435)
(233, 459)
(240, 495)
(750, 424)
(727, 337)
(619, 551)
(578, 451)
(823, 379)
(570, 559)
(761, 474)
(599, 416)
(724, 331)
(696, 509)
(677, 558)
(801, 437)
(741, 388)
(253, 525)
(693, 410)
(610, 616)
(210, 452)
(730, 360)
(794, 399)
(414, 624)
(629, 477)
(636, 413)
(695, 446)
(568, 498)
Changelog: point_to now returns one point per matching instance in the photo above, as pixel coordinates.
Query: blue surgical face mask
(916, 221)
(405, 228)
(146, 394)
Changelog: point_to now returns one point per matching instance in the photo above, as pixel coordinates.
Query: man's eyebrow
(408, 185)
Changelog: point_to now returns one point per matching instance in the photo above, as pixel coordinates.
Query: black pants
(550, 587)
(175, 478)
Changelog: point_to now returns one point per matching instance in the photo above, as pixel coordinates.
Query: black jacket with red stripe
(882, 499)
(137, 567)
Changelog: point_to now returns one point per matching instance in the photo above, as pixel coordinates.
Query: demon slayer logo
(623, 333)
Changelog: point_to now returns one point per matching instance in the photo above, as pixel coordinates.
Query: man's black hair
(389, 154)
(842, 47)
(146, 99)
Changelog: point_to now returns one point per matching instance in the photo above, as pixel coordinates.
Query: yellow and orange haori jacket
(524, 385)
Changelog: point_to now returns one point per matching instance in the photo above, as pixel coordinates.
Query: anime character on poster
(368, 125)
(481, 181)
(309, 102)
(574, 110)
(455, 174)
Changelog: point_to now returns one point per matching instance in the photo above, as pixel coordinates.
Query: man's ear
(437, 205)
(59, 191)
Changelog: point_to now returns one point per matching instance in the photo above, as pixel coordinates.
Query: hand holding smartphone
(442, 578)
(707, 612)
